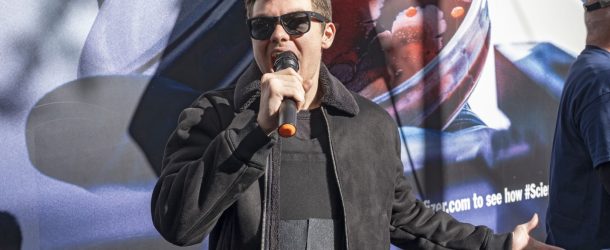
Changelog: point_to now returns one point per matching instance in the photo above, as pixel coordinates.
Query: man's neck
(598, 32)
(313, 95)
(601, 44)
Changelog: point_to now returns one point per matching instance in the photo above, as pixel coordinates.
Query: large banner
(84, 121)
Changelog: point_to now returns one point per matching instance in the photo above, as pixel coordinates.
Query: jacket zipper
(267, 198)
(332, 157)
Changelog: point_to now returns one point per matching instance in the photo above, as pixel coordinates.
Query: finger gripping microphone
(288, 108)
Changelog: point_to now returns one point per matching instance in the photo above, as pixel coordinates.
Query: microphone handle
(287, 118)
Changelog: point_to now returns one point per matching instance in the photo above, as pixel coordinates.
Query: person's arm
(604, 175)
(415, 226)
(205, 168)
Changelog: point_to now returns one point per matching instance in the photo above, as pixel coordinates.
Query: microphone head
(285, 60)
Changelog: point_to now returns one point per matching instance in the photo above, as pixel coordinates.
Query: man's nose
(279, 34)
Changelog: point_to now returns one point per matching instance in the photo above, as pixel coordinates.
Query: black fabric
(578, 216)
(308, 187)
(604, 175)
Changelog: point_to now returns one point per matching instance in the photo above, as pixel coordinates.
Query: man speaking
(336, 184)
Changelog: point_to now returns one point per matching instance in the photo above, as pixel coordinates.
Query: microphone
(288, 109)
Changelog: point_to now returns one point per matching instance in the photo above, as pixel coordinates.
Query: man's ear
(328, 36)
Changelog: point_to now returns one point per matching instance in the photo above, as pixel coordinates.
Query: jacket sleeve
(415, 226)
(206, 166)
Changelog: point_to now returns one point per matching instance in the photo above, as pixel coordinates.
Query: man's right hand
(276, 86)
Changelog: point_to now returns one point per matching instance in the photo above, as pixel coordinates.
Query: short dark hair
(323, 7)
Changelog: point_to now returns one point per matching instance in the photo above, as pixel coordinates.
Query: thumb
(532, 223)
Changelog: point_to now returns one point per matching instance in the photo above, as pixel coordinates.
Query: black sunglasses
(295, 24)
(597, 5)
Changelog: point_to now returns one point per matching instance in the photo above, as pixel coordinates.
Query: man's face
(307, 47)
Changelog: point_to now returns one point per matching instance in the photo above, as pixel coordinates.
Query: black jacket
(213, 179)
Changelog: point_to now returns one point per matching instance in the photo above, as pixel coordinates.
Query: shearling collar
(247, 91)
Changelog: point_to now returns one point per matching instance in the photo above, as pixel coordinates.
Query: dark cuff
(499, 241)
(252, 145)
